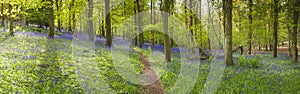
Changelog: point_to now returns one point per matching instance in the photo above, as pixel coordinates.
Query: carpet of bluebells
(32, 63)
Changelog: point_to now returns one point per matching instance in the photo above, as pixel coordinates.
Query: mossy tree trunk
(227, 5)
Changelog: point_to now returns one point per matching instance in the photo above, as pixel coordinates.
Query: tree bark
(58, 15)
(191, 17)
(139, 22)
(151, 20)
(70, 18)
(275, 28)
(108, 24)
(165, 29)
(11, 21)
(2, 17)
(51, 20)
(270, 42)
(266, 39)
(227, 4)
(294, 34)
(290, 39)
(135, 20)
(90, 21)
(73, 16)
(250, 27)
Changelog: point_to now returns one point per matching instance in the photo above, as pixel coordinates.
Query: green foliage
(26, 72)
(243, 61)
(32, 65)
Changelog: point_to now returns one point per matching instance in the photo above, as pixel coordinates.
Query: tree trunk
(250, 27)
(227, 4)
(185, 12)
(275, 28)
(270, 42)
(51, 20)
(58, 15)
(241, 48)
(294, 34)
(70, 18)
(191, 17)
(266, 39)
(11, 21)
(108, 24)
(290, 38)
(165, 29)
(90, 21)
(140, 30)
(2, 17)
(102, 29)
(151, 20)
(73, 17)
(135, 21)
(124, 14)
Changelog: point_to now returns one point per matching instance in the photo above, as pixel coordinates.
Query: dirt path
(154, 88)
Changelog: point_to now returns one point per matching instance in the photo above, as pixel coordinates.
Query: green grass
(259, 75)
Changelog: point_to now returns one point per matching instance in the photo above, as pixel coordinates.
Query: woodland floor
(32, 63)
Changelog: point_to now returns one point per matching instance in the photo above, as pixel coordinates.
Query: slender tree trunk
(151, 20)
(250, 27)
(241, 48)
(266, 39)
(102, 29)
(270, 43)
(58, 15)
(227, 4)
(90, 21)
(108, 24)
(124, 14)
(11, 21)
(99, 21)
(185, 12)
(294, 34)
(70, 18)
(191, 17)
(275, 28)
(73, 16)
(2, 17)
(140, 30)
(290, 38)
(165, 29)
(135, 21)
(51, 20)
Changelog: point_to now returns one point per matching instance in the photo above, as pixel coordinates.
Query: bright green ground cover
(37, 64)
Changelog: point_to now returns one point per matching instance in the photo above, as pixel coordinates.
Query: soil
(154, 88)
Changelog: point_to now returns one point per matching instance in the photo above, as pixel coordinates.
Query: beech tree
(107, 23)
(165, 29)
(227, 5)
(294, 33)
(275, 28)
(51, 20)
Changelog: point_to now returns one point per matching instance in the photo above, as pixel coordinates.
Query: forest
(149, 46)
